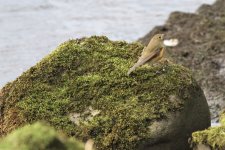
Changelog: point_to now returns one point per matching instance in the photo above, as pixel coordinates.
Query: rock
(201, 48)
(38, 136)
(213, 138)
(202, 147)
(82, 88)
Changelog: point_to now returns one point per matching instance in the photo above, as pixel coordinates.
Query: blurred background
(29, 30)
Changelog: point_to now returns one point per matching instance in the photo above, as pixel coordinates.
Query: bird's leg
(163, 61)
(166, 61)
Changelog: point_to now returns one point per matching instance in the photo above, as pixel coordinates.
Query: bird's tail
(131, 69)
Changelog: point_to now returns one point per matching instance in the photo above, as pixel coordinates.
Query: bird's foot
(165, 61)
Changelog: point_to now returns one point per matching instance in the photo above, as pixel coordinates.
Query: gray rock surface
(173, 133)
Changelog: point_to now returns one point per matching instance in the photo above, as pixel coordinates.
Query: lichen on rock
(86, 80)
(38, 136)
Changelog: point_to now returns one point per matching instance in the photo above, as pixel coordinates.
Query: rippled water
(30, 29)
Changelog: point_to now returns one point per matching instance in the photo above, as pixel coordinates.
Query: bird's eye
(160, 37)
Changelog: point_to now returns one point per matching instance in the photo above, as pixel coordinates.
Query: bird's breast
(161, 52)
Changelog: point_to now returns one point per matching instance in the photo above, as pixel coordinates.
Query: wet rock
(201, 48)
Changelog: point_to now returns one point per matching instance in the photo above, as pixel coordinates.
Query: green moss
(213, 136)
(93, 72)
(38, 137)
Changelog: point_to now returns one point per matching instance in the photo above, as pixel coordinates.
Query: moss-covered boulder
(38, 137)
(83, 89)
(213, 138)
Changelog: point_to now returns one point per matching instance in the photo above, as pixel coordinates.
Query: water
(30, 29)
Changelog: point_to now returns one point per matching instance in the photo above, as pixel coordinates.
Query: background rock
(201, 48)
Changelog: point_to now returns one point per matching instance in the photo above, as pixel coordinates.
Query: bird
(152, 53)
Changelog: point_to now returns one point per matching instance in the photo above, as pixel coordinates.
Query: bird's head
(158, 39)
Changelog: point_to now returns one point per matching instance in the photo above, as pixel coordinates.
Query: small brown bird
(152, 53)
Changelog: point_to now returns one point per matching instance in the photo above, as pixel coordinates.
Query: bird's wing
(143, 60)
(143, 50)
